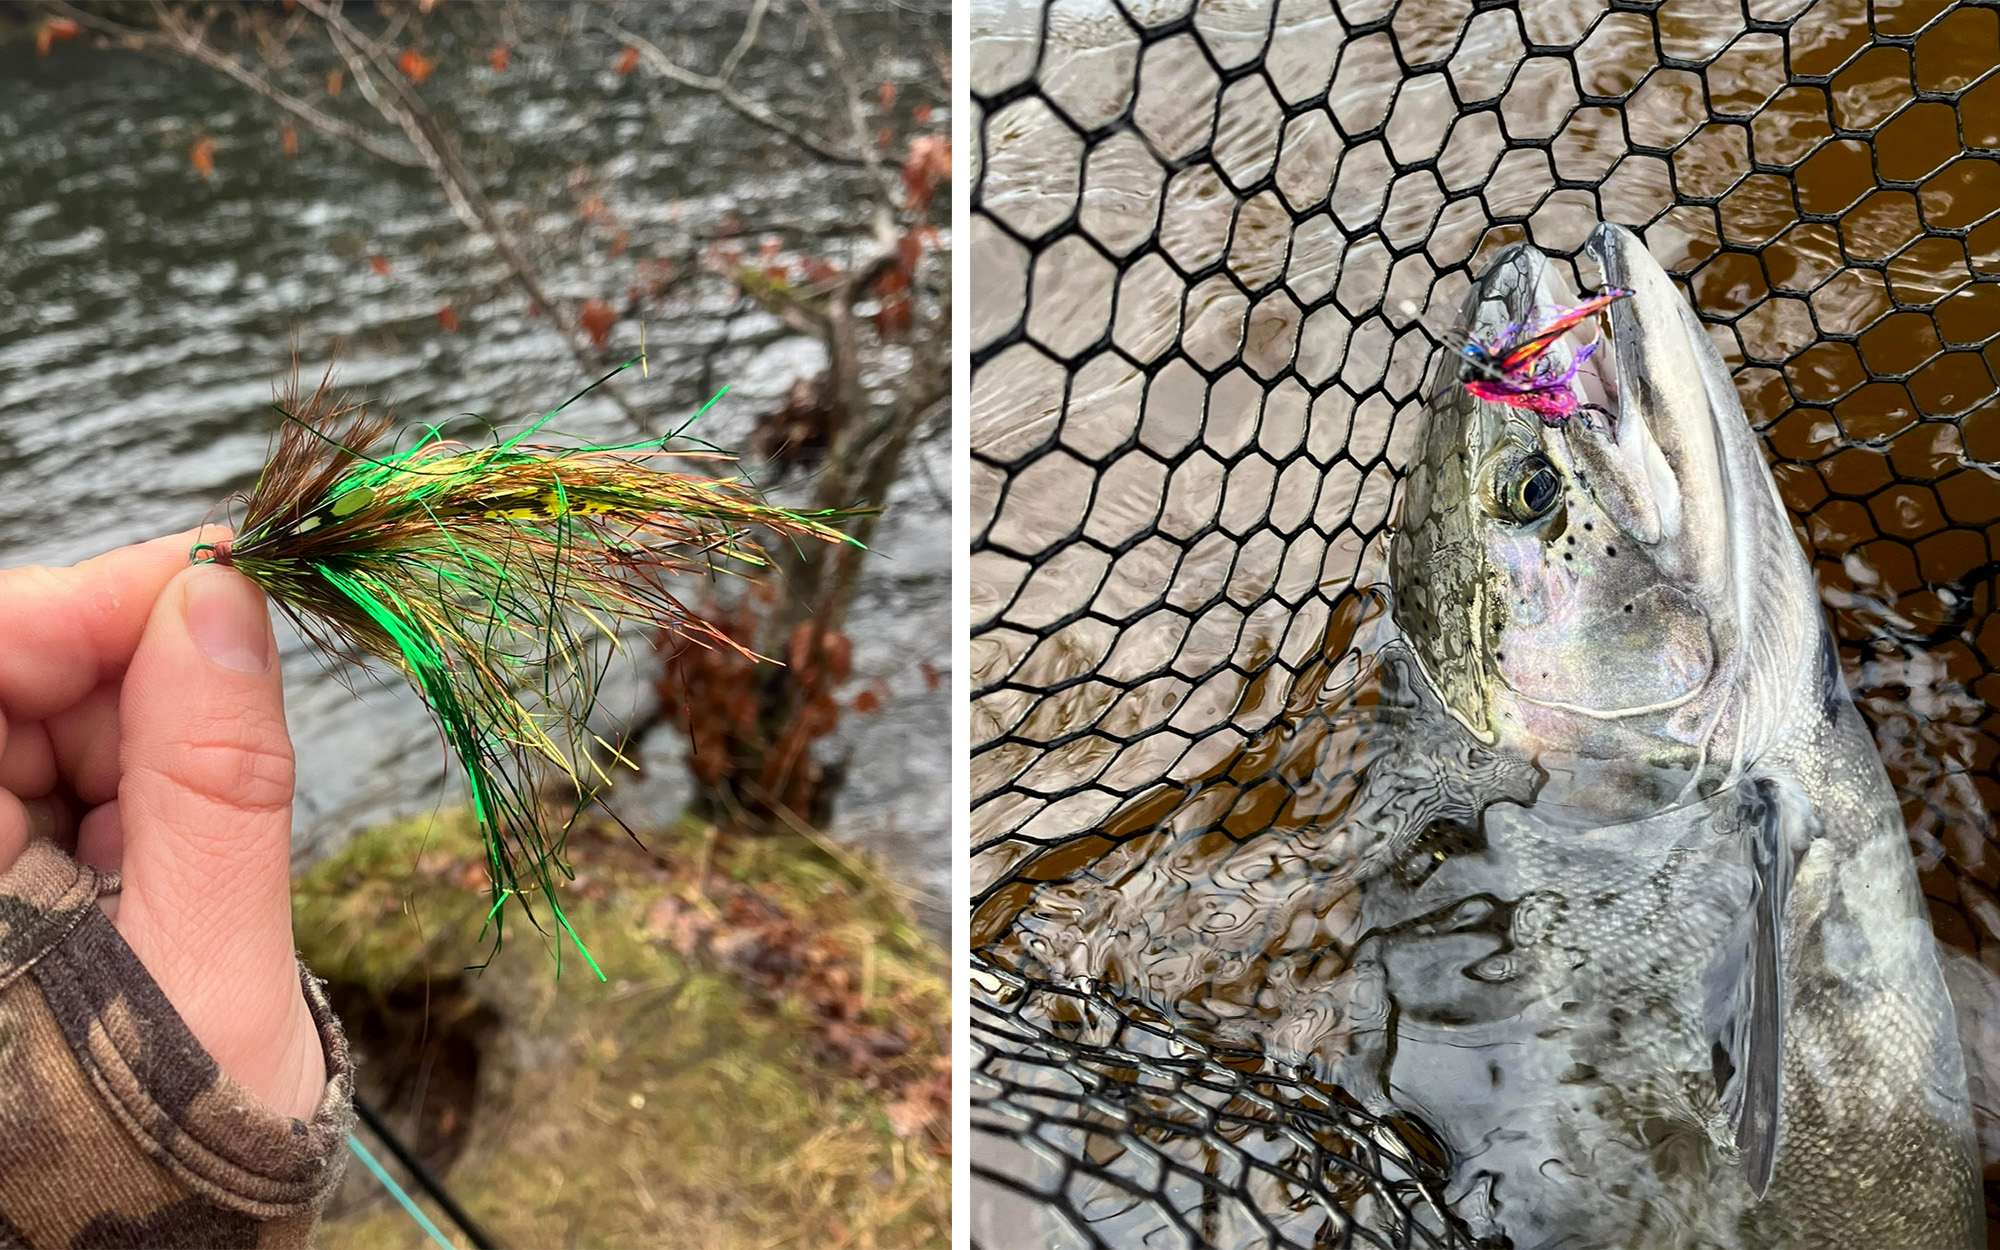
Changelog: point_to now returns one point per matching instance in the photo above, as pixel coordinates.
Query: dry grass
(764, 1067)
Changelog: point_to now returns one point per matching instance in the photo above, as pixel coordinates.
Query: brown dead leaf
(597, 318)
(924, 1110)
(52, 31)
(415, 65)
(927, 166)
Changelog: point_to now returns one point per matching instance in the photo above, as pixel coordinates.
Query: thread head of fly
(1482, 362)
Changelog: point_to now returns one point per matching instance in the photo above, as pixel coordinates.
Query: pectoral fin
(1746, 1001)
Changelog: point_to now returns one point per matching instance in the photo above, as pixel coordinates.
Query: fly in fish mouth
(1520, 369)
(1633, 405)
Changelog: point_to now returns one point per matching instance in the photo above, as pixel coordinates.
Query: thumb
(205, 814)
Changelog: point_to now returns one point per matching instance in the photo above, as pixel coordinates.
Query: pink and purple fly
(1518, 371)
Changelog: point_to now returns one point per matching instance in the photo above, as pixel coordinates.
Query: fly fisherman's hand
(142, 728)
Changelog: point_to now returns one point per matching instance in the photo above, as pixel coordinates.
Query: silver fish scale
(1834, 758)
(1631, 932)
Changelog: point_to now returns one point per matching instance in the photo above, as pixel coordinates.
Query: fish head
(1594, 585)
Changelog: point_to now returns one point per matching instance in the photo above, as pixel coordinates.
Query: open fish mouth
(1645, 444)
(1591, 560)
(1668, 390)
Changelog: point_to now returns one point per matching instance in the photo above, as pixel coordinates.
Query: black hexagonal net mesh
(1213, 251)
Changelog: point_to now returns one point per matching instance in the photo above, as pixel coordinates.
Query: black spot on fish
(1612, 552)
(1588, 526)
(1628, 607)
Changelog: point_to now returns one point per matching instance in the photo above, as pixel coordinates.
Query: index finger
(64, 631)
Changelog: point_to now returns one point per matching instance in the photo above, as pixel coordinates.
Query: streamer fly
(1517, 367)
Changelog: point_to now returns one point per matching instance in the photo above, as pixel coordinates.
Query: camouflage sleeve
(116, 1127)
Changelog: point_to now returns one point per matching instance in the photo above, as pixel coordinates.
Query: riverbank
(766, 1064)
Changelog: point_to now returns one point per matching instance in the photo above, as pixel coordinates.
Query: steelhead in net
(1725, 954)
(1216, 250)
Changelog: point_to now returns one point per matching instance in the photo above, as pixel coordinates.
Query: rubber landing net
(1212, 249)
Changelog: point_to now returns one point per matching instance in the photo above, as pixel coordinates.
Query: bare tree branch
(357, 69)
(461, 189)
(190, 43)
(857, 120)
(744, 42)
(663, 65)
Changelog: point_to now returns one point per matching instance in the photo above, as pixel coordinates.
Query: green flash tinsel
(495, 578)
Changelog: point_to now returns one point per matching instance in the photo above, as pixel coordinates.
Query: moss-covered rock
(764, 1064)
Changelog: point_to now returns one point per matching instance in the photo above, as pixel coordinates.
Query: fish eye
(1528, 489)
